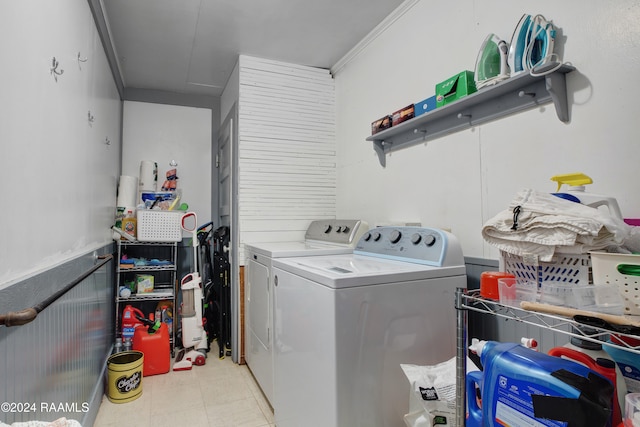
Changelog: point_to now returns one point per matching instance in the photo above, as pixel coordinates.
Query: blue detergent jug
(522, 387)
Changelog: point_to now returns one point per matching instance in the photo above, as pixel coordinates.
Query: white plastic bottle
(576, 183)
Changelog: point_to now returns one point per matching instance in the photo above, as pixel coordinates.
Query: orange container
(489, 283)
(157, 353)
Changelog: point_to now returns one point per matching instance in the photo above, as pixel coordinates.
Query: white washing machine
(345, 323)
(323, 237)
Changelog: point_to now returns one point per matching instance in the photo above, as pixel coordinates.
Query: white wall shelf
(518, 93)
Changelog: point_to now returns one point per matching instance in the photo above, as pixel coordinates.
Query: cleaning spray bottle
(521, 387)
(577, 193)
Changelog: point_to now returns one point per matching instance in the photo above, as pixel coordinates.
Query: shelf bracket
(556, 84)
(378, 147)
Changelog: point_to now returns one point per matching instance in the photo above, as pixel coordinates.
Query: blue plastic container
(521, 387)
(629, 364)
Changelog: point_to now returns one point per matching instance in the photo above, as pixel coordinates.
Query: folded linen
(541, 224)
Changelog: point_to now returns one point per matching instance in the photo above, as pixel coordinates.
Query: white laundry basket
(567, 268)
(159, 226)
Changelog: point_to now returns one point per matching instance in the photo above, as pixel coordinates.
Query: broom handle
(571, 312)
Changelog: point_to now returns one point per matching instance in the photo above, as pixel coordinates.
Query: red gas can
(157, 353)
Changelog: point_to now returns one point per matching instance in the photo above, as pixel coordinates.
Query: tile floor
(218, 394)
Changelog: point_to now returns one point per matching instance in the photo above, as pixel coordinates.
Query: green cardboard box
(462, 84)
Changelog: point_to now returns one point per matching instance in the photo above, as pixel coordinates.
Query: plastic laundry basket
(159, 226)
(622, 270)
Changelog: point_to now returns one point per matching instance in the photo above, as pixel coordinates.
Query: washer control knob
(429, 240)
(376, 236)
(346, 229)
(395, 236)
(367, 236)
(415, 239)
(327, 229)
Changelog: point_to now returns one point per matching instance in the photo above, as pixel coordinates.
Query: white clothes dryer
(323, 237)
(345, 323)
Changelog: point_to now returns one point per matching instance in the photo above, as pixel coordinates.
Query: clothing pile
(541, 224)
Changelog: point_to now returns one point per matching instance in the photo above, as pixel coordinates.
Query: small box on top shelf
(424, 106)
(402, 115)
(381, 124)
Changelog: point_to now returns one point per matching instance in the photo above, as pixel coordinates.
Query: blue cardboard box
(424, 106)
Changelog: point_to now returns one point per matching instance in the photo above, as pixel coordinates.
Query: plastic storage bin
(623, 271)
(159, 226)
(569, 268)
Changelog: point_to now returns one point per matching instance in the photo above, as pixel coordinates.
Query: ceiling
(191, 46)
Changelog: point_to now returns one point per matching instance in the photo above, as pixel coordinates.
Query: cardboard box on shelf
(454, 88)
(402, 115)
(424, 106)
(381, 124)
(145, 283)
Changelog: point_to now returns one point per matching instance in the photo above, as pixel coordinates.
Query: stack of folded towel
(541, 224)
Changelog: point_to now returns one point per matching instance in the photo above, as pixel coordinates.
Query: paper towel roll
(148, 176)
(127, 191)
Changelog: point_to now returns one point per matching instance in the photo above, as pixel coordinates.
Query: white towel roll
(148, 176)
(127, 191)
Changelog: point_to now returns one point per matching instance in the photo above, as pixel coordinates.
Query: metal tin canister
(124, 376)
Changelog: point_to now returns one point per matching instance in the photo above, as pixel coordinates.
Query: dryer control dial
(395, 236)
(327, 229)
(346, 229)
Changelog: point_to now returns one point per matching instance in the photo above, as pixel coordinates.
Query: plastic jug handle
(575, 355)
(608, 372)
(475, 412)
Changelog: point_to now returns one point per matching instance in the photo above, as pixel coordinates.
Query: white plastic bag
(432, 400)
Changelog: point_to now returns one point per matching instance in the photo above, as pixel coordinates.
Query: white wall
(59, 174)
(231, 93)
(462, 180)
(162, 133)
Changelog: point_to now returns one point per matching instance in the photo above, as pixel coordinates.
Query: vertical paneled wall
(286, 154)
(56, 363)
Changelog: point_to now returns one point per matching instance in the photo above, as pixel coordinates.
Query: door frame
(231, 123)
